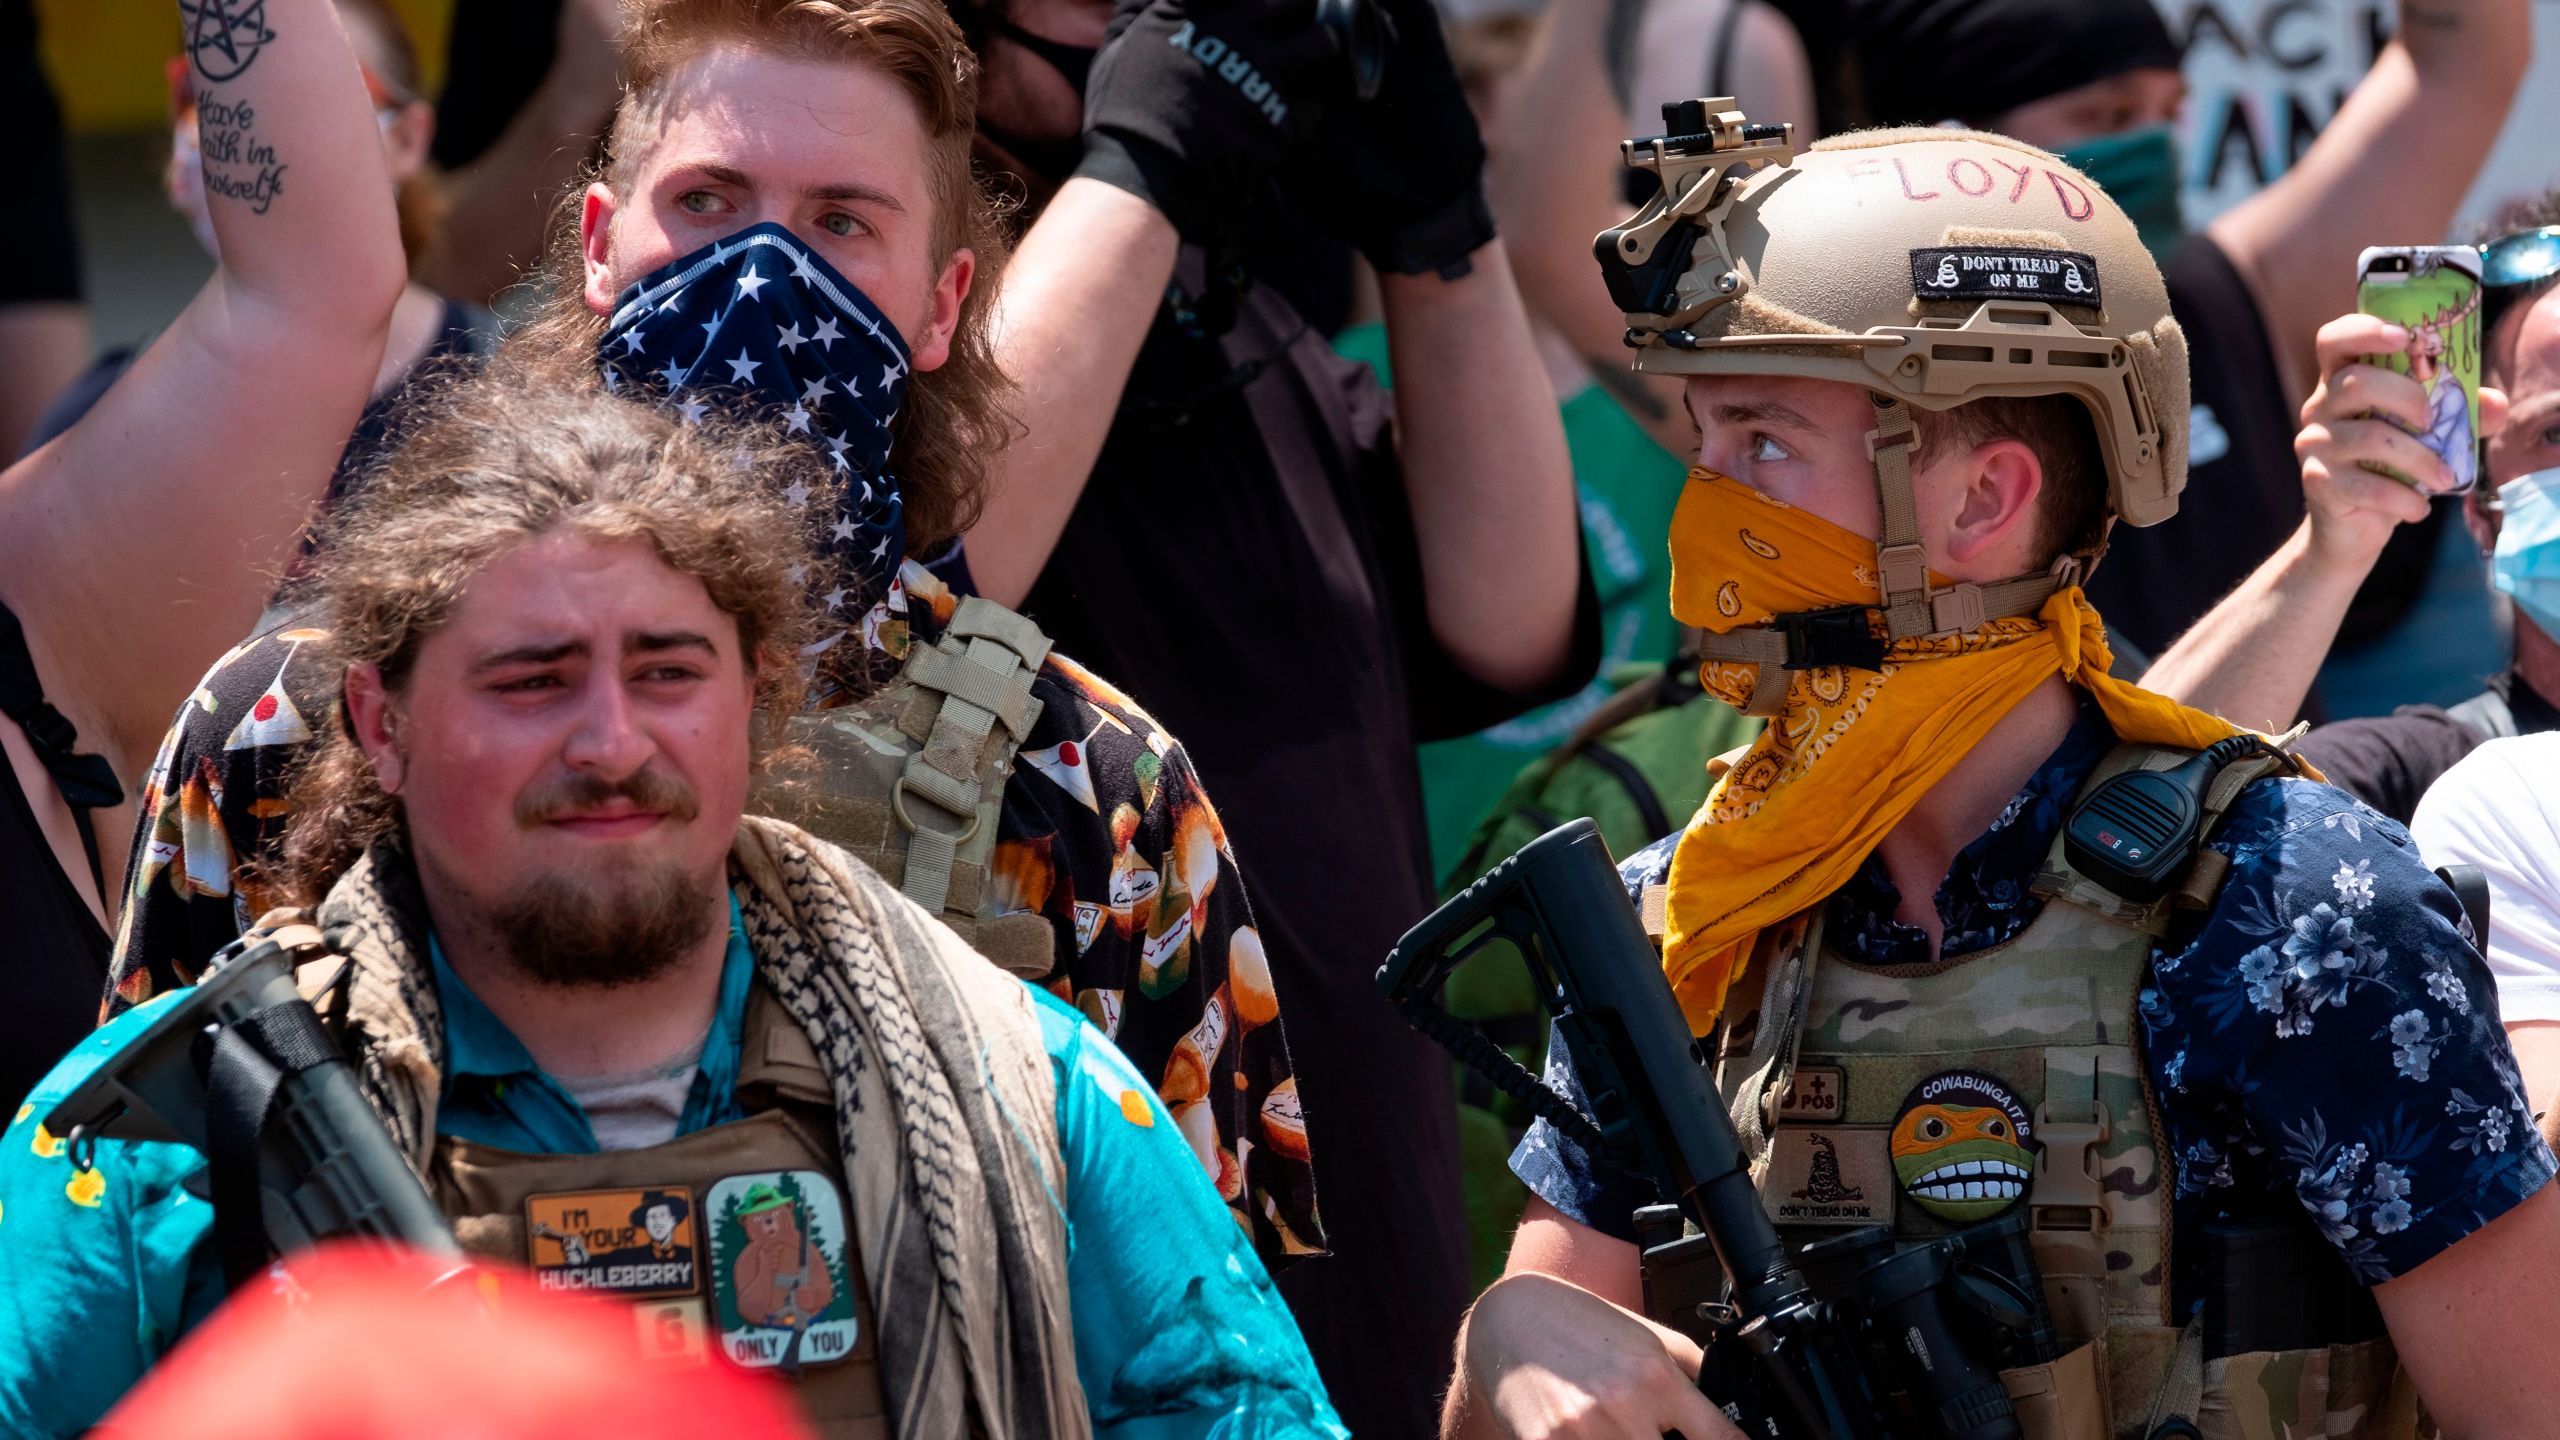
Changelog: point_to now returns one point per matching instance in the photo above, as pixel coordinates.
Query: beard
(617, 924)
(621, 927)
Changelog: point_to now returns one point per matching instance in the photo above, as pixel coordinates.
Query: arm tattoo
(237, 163)
(225, 36)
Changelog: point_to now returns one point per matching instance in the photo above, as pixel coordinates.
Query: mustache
(647, 788)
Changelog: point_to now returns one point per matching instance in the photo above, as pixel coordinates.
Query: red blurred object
(356, 1343)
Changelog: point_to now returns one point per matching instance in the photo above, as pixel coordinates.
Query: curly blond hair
(490, 464)
(956, 421)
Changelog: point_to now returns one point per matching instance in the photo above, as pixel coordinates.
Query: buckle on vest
(1837, 636)
(906, 785)
(2067, 1194)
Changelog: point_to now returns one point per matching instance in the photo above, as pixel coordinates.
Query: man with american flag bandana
(835, 277)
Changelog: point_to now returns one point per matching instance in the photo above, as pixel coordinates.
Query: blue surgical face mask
(2139, 171)
(760, 319)
(2526, 564)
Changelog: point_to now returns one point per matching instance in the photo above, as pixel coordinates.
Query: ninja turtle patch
(1960, 1146)
(781, 1292)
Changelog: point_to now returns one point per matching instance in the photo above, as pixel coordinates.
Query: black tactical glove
(1194, 102)
(1401, 176)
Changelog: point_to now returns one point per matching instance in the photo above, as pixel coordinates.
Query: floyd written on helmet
(1931, 267)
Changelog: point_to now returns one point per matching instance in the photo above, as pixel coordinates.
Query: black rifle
(1786, 1360)
(242, 1069)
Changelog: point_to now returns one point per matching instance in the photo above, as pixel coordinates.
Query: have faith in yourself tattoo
(237, 164)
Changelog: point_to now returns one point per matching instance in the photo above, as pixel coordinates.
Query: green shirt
(1627, 486)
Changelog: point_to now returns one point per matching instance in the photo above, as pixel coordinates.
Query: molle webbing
(983, 670)
(911, 778)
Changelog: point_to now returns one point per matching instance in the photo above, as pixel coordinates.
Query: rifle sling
(245, 1072)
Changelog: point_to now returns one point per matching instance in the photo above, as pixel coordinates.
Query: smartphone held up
(2433, 292)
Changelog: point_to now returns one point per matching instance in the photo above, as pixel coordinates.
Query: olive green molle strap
(2067, 1201)
(2179, 1400)
(1902, 569)
(1760, 645)
(1655, 911)
(982, 669)
(1789, 956)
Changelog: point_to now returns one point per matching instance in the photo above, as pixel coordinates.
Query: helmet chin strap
(1909, 606)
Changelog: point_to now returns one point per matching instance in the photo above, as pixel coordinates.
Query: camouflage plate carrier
(1928, 1097)
(911, 778)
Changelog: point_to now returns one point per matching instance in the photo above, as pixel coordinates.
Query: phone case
(2434, 292)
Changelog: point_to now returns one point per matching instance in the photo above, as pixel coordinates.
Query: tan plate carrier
(911, 778)
(2054, 1016)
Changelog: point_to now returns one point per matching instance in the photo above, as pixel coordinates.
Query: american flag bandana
(759, 319)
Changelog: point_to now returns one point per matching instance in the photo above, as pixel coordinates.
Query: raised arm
(1555, 185)
(1173, 150)
(1078, 299)
(1555, 179)
(2253, 657)
(1401, 177)
(141, 542)
(2389, 170)
(1487, 472)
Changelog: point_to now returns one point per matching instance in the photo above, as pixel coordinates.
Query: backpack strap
(982, 670)
(86, 782)
(2470, 885)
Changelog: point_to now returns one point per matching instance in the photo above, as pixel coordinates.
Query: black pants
(1381, 1312)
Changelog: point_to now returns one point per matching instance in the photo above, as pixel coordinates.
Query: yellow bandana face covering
(1853, 749)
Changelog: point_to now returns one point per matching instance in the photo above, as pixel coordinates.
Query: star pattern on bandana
(761, 320)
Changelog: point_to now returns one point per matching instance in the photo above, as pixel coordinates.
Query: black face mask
(1052, 160)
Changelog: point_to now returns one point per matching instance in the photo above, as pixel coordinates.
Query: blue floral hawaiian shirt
(2326, 1029)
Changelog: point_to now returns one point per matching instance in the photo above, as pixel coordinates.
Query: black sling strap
(251, 1059)
(2470, 885)
(86, 782)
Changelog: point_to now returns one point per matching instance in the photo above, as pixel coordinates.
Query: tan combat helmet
(1929, 266)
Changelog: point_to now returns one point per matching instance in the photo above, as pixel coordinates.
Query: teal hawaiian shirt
(1178, 1330)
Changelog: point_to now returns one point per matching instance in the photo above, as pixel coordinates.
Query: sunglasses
(2513, 266)
(2523, 258)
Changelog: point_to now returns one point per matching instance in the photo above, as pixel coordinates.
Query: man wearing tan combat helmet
(2248, 1053)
